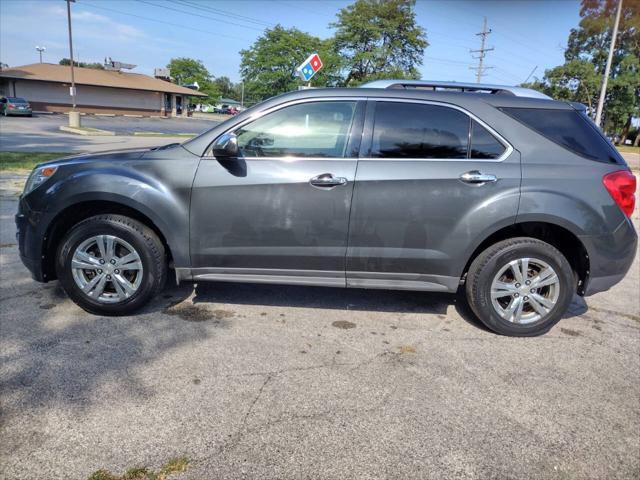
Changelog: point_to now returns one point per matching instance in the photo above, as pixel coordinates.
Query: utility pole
(40, 50)
(73, 80)
(242, 94)
(480, 69)
(607, 69)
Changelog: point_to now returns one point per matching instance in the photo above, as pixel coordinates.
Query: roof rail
(459, 86)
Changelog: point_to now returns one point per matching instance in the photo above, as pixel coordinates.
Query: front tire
(111, 264)
(520, 287)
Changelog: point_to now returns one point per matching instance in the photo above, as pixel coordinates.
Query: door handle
(477, 177)
(327, 180)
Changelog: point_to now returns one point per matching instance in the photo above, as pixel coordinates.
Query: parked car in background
(502, 193)
(14, 106)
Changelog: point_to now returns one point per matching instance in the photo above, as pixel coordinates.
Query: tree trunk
(625, 131)
(636, 142)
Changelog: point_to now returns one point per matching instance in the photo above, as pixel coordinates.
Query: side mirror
(226, 147)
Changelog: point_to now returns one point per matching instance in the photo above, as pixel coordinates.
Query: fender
(137, 184)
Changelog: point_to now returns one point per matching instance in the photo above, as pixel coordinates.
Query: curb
(161, 134)
(94, 132)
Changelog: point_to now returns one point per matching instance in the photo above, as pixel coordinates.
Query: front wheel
(111, 264)
(520, 286)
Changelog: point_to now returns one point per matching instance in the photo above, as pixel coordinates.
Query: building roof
(228, 101)
(49, 72)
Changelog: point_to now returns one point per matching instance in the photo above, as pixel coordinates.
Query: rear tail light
(621, 185)
(11, 107)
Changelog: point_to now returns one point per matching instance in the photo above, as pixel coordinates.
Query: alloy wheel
(107, 269)
(525, 290)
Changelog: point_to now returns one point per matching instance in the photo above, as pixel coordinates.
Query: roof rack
(435, 85)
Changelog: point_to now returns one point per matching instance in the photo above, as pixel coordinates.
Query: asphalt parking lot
(41, 133)
(120, 124)
(250, 381)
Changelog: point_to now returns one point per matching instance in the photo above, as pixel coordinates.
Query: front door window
(311, 130)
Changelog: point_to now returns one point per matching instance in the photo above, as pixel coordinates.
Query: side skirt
(373, 280)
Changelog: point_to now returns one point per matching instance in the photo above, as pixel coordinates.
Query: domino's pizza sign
(309, 67)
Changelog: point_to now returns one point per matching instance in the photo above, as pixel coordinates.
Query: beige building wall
(55, 97)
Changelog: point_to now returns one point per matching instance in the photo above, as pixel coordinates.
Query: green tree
(591, 40)
(268, 66)
(379, 39)
(227, 88)
(574, 81)
(188, 70)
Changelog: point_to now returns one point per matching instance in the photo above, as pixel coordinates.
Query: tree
(591, 40)
(268, 66)
(187, 70)
(574, 81)
(379, 39)
(94, 65)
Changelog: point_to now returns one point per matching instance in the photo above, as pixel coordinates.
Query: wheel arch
(562, 238)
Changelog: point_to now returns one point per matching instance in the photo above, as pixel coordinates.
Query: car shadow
(348, 299)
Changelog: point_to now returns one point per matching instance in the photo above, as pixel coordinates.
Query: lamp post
(74, 117)
(607, 68)
(40, 50)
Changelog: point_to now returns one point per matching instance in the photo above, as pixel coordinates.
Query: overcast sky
(149, 33)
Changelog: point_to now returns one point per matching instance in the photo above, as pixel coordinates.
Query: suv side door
(432, 181)
(280, 212)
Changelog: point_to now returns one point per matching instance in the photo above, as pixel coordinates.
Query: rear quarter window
(568, 128)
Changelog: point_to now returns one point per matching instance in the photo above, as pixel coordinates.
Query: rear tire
(520, 287)
(111, 264)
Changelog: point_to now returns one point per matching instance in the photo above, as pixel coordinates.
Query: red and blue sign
(309, 67)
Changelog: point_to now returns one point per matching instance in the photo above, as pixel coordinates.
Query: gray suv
(515, 199)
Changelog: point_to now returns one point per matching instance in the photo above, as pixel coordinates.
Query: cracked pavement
(260, 381)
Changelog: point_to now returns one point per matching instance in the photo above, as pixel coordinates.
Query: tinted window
(318, 129)
(568, 128)
(409, 130)
(17, 100)
(483, 144)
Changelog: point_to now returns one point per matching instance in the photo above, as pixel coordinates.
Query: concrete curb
(93, 132)
(160, 134)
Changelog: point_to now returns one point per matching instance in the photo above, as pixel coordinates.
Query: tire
(492, 270)
(145, 273)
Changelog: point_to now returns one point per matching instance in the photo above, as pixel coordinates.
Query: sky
(526, 34)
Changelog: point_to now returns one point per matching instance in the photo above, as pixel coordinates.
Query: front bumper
(30, 241)
(19, 112)
(610, 257)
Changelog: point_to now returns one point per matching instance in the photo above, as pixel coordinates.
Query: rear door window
(411, 130)
(568, 128)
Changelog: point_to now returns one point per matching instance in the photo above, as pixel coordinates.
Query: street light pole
(40, 50)
(607, 69)
(73, 81)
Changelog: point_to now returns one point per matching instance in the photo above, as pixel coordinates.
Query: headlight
(38, 177)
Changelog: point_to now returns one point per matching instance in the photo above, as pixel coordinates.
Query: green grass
(175, 465)
(25, 160)
(628, 149)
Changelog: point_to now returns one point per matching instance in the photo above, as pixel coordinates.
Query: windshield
(16, 100)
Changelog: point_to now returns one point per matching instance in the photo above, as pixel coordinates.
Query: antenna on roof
(116, 66)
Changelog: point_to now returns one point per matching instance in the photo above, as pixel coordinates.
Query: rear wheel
(520, 286)
(111, 264)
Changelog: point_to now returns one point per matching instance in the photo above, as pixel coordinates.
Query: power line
(199, 15)
(225, 13)
(481, 69)
(173, 24)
